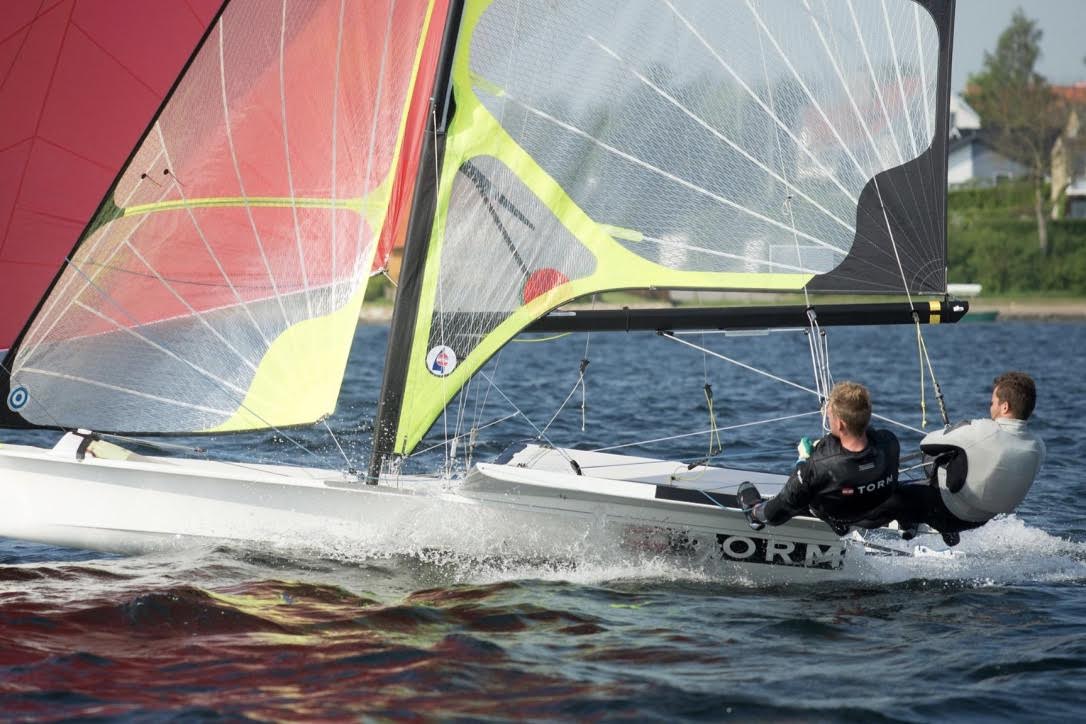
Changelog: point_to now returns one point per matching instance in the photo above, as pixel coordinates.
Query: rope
(922, 352)
(563, 405)
(714, 434)
(543, 339)
(820, 362)
(934, 382)
(920, 357)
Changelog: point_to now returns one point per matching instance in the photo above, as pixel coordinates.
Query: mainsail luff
(220, 292)
(525, 171)
(404, 319)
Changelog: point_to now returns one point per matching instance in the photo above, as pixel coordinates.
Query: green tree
(1018, 106)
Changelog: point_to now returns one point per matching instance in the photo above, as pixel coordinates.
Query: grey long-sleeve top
(1004, 458)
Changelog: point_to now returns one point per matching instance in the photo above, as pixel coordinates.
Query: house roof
(970, 136)
(1074, 93)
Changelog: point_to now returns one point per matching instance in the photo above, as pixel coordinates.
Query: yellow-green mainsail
(474, 132)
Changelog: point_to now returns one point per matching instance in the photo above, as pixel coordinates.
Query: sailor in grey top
(981, 468)
(1002, 459)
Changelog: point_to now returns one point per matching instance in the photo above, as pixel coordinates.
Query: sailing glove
(804, 449)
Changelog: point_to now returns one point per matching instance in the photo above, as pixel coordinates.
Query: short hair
(851, 404)
(1018, 391)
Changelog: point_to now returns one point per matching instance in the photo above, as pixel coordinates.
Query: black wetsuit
(837, 485)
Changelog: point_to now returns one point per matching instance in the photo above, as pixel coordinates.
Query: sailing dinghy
(537, 153)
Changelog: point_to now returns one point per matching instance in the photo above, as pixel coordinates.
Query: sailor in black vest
(849, 472)
(981, 468)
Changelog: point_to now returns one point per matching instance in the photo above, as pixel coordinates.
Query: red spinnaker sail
(80, 80)
(403, 187)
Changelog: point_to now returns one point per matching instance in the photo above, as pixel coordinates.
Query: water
(406, 631)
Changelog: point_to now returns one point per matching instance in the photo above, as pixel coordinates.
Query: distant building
(963, 118)
(973, 161)
(1069, 156)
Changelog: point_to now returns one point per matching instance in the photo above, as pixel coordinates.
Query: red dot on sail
(542, 281)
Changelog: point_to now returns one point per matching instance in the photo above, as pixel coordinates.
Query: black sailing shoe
(748, 498)
(952, 539)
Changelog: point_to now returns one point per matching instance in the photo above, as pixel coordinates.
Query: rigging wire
(346, 460)
(702, 432)
(471, 432)
(771, 376)
(540, 433)
(576, 386)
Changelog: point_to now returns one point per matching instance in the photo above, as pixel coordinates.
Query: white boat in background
(531, 154)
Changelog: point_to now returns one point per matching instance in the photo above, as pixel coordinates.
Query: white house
(962, 117)
(973, 160)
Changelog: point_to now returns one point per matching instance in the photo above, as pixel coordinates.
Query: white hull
(531, 504)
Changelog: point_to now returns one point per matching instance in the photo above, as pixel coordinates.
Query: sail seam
(776, 119)
(154, 345)
(875, 83)
(196, 314)
(237, 170)
(848, 91)
(664, 174)
(125, 390)
(286, 157)
(799, 79)
(207, 245)
(701, 122)
(335, 136)
(58, 295)
(377, 100)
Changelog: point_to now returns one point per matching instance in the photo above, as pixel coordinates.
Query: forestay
(674, 144)
(219, 285)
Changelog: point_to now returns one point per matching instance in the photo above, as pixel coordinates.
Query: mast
(423, 207)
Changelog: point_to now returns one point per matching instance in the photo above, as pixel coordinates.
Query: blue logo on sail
(441, 360)
(18, 398)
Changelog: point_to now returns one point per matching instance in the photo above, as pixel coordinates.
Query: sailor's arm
(794, 498)
(951, 447)
(963, 436)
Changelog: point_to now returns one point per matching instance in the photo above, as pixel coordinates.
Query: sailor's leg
(750, 501)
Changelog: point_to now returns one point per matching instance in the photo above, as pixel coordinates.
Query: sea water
(397, 628)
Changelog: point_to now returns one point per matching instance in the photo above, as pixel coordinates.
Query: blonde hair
(851, 404)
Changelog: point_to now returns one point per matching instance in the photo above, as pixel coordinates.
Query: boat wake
(1005, 550)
